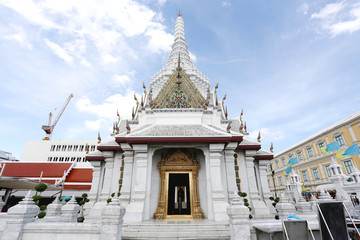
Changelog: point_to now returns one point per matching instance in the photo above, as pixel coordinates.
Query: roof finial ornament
(145, 89)
(228, 127)
(241, 128)
(99, 138)
(259, 137)
(179, 13)
(128, 127)
(245, 128)
(272, 147)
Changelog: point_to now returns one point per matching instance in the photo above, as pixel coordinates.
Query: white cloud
(109, 26)
(123, 80)
(59, 51)
(106, 111)
(19, 36)
(225, 3)
(340, 17)
(328, 10)
(94, 125)
(304, 8)
(193, 57)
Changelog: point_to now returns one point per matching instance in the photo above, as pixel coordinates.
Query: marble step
(175, 231)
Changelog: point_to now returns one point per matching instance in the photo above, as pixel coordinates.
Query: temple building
(180, 156)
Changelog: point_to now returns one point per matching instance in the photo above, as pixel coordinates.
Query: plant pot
(80, 219)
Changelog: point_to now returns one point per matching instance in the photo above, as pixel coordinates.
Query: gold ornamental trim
(179, 162)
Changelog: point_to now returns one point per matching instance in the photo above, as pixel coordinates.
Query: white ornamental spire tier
(179, 47)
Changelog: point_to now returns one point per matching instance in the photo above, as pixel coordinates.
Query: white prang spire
(179, 46)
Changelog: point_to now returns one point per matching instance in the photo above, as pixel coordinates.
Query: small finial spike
(87, 149)
(242, 113)
(259, 137)
(224, 97)
(228, 127)
(217, 85)
(179, 13)
(128, 127)
(245, 128)
(272, 147)
(99, 138)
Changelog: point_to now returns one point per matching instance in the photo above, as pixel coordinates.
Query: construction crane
(49, 128)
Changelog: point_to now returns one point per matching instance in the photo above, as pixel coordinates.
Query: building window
(270, 167)
(304, 175)
(316, 173)
(73, 159)
(92, 148)
(49, 159)
(67, 159)
(63, 148)
(280, 181)
(277, 164)
(283, 162)
(287, 178)
(55, 159)
(75, 148)
(299, 155)
(78, 159)
(61, 159)
(310, 152)
(81, 148)
(52, 148)
(340, 140)
(69, 147)
(328, 170)
(58, 147)
(321, 144)
(348, 166)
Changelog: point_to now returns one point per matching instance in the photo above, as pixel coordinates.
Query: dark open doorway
(179, 194)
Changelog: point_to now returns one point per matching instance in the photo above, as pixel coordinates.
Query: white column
(135, 210)
(230, 170)
(109, 165)
(128, 171)
(116, 173)
(95, 185)
(259, 208)
(217, 191)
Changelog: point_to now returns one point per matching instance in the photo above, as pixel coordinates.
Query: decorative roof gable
(179, 92)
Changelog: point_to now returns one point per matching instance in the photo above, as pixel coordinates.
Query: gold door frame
(173, 163)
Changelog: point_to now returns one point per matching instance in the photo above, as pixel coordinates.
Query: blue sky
(293, 66)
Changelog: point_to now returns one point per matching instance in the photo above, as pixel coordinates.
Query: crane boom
(50, 127)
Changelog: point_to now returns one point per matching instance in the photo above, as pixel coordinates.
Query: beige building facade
(313, 166)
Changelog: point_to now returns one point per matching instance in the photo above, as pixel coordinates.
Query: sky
(293, 66)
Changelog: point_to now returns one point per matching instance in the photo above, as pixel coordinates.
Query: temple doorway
(178, 191)
(179, 194)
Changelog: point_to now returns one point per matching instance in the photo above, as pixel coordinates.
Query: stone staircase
(176, 229)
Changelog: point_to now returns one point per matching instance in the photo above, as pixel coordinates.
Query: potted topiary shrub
(82, 203)
(39, 188)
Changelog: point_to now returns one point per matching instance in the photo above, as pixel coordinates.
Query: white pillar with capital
(127, 177)
(259, 207)
(134, 211)
(230, 170)
(217, 190)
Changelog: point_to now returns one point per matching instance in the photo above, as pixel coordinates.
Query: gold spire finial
(272, 147)
(241, 128)
(179, 13)
(242, 113)
(259, 137)
(224, 97)
(217, 84)
(99, 138)
(245, 128)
